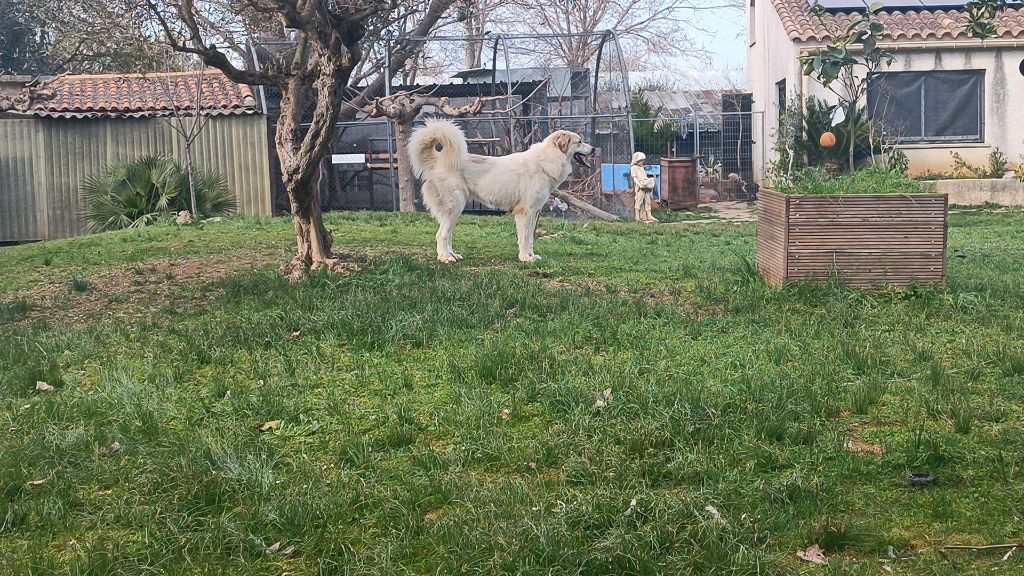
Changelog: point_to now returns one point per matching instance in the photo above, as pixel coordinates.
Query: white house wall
(771, 57)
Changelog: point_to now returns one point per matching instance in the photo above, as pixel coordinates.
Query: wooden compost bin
(865, 241)
(679, 182)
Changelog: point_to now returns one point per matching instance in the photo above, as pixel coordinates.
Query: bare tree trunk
(852, 123)
(300, 156)
(191, 168)
(311, 236)
(473, 48)
(406, 181)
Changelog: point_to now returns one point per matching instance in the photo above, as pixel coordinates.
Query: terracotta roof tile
(143, 96)
(801, 25)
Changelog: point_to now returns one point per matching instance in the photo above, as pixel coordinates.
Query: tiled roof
(143, 96)
(801, 25)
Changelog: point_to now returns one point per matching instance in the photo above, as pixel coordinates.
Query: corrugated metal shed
(43, 163)
(673, 103)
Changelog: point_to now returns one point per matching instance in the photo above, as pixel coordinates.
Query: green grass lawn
(441, 419)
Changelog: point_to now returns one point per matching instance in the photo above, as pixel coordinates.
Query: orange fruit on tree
(827, 140)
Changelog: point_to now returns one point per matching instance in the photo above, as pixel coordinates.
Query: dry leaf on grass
(44, 387)
(111, 450)
(288, 552)
(297, 335)
(268, 426)
(604, 398)
(35, 483)
(813, 554)
(506, 414)
(632, 508)
(858, 446)
(716, 516)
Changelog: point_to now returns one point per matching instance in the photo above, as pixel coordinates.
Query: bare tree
(329, 41)
(476, 16)
(184, 93)
(650, 28)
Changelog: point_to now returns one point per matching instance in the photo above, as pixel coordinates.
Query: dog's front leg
(524, 233)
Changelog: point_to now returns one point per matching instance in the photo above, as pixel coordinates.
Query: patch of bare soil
(856, 443)
(133, 291)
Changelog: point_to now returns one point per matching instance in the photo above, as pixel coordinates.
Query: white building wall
(771, 57)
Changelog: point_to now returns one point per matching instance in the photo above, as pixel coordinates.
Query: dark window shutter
(896, 100)
(952, 105)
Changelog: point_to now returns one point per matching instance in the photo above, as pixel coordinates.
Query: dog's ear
(562, 140)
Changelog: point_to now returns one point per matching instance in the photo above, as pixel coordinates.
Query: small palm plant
(137, 193)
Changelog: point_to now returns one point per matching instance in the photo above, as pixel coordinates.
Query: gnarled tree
(329, 37)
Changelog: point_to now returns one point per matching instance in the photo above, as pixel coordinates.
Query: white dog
(519, 183)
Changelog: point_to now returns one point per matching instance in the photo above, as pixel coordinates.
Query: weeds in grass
(80, 285)
(962, 415)
(14, 310)
(865, 395)
(1011, 362)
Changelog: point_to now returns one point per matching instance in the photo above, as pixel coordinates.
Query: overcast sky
(724, 38)
(722, 34)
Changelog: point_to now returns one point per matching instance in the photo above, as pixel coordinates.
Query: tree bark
(191, 168)
(406, 180)
(313, 239)
(852, 123)
(585, 206)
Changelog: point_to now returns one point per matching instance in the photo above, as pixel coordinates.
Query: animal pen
(527, 99)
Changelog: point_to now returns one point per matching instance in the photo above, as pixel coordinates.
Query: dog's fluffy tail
(438, 145)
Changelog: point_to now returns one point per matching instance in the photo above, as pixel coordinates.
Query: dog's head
(573, 146)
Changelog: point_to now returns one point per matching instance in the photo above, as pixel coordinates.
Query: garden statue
(643, 184)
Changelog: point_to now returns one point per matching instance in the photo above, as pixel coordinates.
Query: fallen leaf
(715, 514)
(858, 446)
(12, 429)
(604, 398)
(44, 387)
(506, 414)
(36, 483)
(813, 554)
(1009, 554)
(632, 508)
(297, 335)
(267, 427)
(288, 552)
(111, 450)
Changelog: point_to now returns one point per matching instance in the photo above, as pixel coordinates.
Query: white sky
(723, 35)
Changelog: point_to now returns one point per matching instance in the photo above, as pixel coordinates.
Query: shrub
(799, 132)
(137, 193)
(878, 179)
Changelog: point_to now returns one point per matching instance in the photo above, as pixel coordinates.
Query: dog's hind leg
(446, 209)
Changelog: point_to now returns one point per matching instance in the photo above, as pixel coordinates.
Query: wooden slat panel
(864, 241)
(771, 236)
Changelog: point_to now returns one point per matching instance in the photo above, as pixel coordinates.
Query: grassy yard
(429, 419)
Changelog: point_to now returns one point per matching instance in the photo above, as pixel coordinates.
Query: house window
(780, 96)
(926, 107)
